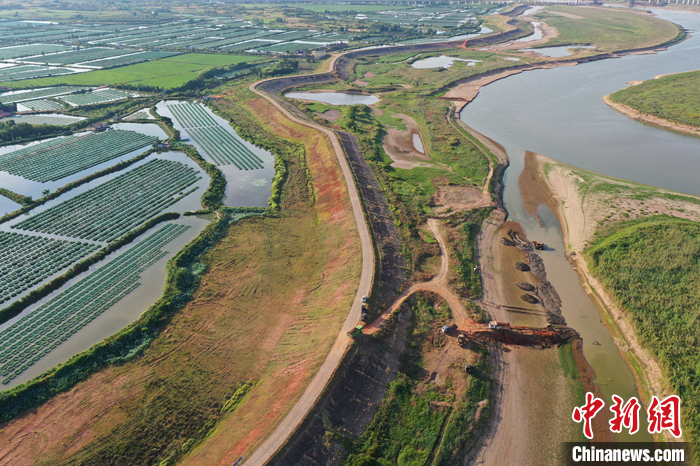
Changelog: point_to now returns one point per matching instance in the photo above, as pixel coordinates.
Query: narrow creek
(560, 113)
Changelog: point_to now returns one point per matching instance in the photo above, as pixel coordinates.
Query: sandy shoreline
(579, 218)
(652, 120)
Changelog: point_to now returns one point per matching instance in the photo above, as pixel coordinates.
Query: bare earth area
(331, 115)
(398, 144)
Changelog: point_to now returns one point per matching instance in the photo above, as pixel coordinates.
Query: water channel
(560, 113)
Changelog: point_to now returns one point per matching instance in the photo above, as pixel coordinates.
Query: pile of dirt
(528, 298)
(507, 242)
(525, 286)
(536, 265)
(523, 267)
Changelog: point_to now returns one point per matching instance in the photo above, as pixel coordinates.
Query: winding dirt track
(437, 285)
(309, 398)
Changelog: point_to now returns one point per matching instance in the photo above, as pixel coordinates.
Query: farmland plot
(51, 119)
(41, 105)
(58, 158)
(33, 336)
(29, 50)
(113, 208)
(97, 97)
(77, 56)
(17, 73)
(10, 97)
(127, 59)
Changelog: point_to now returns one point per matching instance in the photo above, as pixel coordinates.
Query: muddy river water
(560, 113)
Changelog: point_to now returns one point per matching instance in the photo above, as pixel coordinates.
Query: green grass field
(608, 29)
(162, 73)
(675, 97)
(651, 267)
(208, 60)
(348, 7)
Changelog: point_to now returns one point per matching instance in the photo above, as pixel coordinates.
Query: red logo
(665, 415)
(661, 415)
(627, 416)
(587, 412)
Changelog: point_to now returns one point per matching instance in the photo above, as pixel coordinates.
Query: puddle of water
(442, 61)
(244, 188)
(537, 35)
(556, 52)
(334, 98)
(418, 143)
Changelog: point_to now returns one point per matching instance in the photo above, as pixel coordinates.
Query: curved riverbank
(580, 209)
(651, 119)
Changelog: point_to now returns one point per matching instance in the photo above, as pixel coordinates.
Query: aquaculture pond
(248, 169)
(98, 152)
(92, 306)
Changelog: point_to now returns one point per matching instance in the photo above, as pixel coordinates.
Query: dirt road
(437, 285)
(307, 401)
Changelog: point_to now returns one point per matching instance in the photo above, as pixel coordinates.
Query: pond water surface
(334, 98)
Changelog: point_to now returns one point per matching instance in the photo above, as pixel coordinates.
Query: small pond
(334, 98)
(443, 61)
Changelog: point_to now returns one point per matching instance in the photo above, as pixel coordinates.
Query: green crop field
(209, 60)
(651, 268)
(158, 73)
(61, 157)
(108, 211)
(35, 335)
(675, 97)
(27, 260)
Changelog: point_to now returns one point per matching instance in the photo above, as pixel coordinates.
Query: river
(560, 113)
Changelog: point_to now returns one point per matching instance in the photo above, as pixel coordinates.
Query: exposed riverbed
(560, 113)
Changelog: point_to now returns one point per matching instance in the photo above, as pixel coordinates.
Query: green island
(674, 98)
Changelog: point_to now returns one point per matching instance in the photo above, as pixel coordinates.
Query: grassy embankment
(675, 98)
(425, 419)
(609, 29)
(281, 284)
(651, 267)
(455, 160)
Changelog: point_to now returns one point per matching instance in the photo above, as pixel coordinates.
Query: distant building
(4, 114)
(99, 127)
